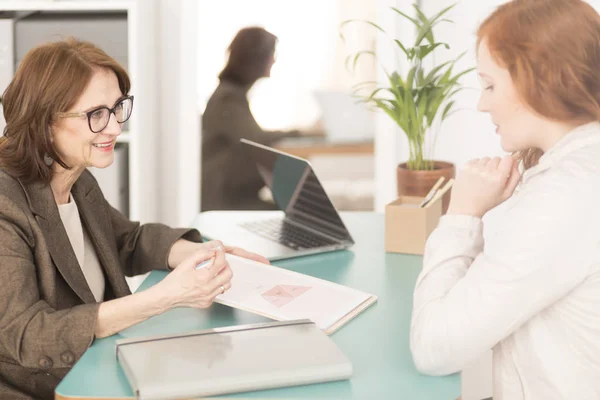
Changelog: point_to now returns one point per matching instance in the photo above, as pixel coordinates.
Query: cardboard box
(407, 226)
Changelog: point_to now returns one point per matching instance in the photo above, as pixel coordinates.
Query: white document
(286, 295)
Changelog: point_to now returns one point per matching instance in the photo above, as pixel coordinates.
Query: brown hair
(49, 80)
(552, 50)
(249, 54)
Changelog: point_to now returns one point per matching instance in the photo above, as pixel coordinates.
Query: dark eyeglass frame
(88, 114)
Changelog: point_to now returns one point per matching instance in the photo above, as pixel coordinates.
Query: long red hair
(552, 50)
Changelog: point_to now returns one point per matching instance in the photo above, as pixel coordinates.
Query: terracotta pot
(418, 183)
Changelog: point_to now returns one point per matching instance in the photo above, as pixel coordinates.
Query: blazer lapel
(45, 210)
(96, 219)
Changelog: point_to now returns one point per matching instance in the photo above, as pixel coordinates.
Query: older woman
(64, 251)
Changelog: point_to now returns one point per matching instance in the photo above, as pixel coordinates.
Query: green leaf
(434, 71)
(437, 98)
(420, 78)
(364, 21)
(355, 57)
(365, 83)
(372, 95)
(429, 33)
(397, 87)
(423, 32)
(403, 48)
(409, 80)
(457, 76)
(441, 13)
(447, 109)
(388, 110)
(359, 54)
(445, 79)
(414, 21)
(425, 50)
(422, 105)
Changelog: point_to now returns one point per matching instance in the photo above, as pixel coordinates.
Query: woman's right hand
(484, 184)
(186, 286)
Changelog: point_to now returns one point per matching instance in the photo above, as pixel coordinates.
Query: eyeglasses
(98, 118)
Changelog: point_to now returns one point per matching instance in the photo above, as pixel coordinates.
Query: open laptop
(344, 119)
(309, 223)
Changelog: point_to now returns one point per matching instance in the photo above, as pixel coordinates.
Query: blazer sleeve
(31, 332)
(145, 247)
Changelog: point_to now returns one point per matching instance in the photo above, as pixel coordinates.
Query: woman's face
(73, 139)
(517, 125)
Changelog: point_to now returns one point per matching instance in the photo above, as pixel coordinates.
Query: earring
(48, 160)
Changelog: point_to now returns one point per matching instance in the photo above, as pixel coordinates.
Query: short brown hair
(49, 80)
(250, 52)
(552, 50)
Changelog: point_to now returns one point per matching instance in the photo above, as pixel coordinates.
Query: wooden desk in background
(309, 147)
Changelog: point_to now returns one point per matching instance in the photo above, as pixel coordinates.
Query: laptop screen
(297, 190)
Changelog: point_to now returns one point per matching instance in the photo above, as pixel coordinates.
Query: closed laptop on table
(229, 360)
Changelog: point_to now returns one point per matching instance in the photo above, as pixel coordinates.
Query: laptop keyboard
(287, 234)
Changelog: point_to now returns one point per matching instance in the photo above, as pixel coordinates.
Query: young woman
(531, 290)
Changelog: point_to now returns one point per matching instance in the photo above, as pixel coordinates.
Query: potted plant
(418, 100)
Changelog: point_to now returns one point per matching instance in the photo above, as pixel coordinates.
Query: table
(310, 147)
(376, 341)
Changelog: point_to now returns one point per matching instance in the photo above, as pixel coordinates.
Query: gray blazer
(47, 311)
(230, 180)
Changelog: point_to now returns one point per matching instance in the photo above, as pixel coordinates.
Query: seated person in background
(531, 290)
(230, 180)
(64, 251)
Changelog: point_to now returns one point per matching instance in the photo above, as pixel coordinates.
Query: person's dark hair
(250, 53)
(50, 79)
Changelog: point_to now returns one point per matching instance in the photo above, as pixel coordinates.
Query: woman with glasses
(64, 251)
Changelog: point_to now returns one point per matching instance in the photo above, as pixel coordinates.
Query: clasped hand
(483, 184)
(187, 286)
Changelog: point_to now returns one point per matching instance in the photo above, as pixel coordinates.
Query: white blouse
(530, 291)
(83, 248)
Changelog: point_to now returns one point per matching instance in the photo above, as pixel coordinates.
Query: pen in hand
(208, 262)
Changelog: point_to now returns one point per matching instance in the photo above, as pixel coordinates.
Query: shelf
(65, 5)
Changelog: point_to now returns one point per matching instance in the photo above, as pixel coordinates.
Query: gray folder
(229, 360)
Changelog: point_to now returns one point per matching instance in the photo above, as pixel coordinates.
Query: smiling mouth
(102, 145)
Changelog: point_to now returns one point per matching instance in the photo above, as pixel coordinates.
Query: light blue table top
(376, 341)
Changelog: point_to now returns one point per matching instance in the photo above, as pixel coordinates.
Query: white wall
(178, 155)
(143, 167)
(310, 56)
(388, 136)
(468, 133)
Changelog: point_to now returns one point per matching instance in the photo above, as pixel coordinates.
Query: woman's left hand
(484, 184)
(236, 251)
(182, 249)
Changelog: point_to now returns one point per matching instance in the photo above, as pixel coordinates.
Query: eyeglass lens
(99, 118)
